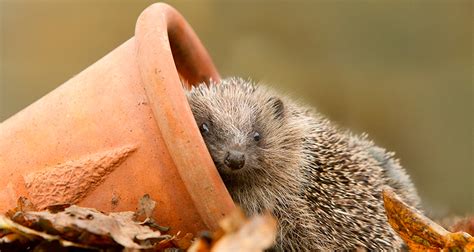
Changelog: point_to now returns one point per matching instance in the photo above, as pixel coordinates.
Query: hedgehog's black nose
(234, 159)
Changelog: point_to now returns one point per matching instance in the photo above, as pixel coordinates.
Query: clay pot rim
(166, 45)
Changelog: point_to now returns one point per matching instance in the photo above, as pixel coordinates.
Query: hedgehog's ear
(277, 106)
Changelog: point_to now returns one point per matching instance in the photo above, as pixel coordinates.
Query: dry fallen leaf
(419, 232)
(91, 227)
(22, 204)
(239, 235)
(14, 231)
(255, 235)
(65, 225)
(146, 206)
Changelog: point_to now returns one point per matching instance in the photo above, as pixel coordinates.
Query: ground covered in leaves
(73, 228)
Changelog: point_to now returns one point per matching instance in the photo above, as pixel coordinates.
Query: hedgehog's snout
(235, 160)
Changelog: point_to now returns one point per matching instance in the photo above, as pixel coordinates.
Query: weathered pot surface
(120, 129)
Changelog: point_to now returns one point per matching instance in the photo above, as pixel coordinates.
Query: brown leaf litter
(421, 233)
(64, 227)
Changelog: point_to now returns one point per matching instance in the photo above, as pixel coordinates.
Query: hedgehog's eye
(256, 136)
(204, 128)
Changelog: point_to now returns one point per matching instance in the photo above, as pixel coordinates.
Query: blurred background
(399, 70)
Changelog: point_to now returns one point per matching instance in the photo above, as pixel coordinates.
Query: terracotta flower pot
(120, 129)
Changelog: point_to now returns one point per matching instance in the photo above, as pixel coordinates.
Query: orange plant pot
(120, 129)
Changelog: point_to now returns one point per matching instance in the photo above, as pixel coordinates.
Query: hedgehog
(322, 183)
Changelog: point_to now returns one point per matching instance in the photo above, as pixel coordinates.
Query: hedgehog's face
(242, 129)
